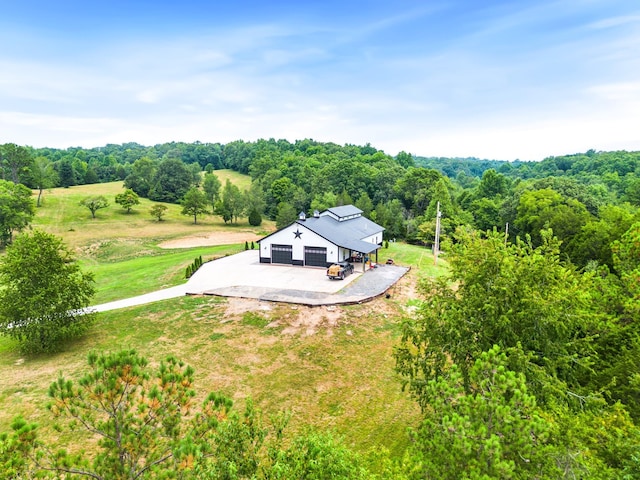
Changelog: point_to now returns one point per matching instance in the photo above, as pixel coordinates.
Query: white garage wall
(308, 238)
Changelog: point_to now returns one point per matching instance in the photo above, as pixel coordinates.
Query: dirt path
(210, 239)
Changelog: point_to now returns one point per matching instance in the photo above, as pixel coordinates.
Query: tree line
(589, 200)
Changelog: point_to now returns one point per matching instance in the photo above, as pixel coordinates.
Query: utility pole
(436, 243)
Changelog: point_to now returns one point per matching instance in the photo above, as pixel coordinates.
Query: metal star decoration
(298, 234)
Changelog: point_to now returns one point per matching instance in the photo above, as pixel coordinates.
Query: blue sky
(491, 79)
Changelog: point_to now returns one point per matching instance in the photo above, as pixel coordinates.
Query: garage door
(281, 254)
(315, 256)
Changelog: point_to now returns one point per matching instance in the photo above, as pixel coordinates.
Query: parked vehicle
(339, 270)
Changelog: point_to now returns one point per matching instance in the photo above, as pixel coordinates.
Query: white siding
(376, 238)
(307, 238)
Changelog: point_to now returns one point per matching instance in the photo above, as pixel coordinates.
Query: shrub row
(193, 268)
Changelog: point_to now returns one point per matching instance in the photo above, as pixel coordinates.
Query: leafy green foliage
(596, 442)
(512, 295)
(315, 456)
(44, 293)
(15, 161)
(492, 184)
(16, 209)
(158, 211)
(391, 217)
(545, 208)
(194, 203)
(211, 188)
(42, 175)
(171, 181)
(286, 214)
(232, 203)
(415, 188)
(128, 199)
(594, 241)
(237, 448)
(94, 204)
(141, 177)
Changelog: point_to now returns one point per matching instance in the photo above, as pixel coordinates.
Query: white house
(334, 235)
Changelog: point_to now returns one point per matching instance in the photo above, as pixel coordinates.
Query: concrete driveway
(242, 275)
(244, 269)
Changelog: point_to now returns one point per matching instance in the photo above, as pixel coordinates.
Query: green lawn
(62, 215)
(156, 270)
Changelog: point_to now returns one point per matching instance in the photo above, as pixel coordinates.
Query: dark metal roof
(345, 211)
(346, 234)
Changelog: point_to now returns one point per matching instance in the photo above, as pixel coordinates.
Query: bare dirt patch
(305, 321)
(211, 239)
(238, 306)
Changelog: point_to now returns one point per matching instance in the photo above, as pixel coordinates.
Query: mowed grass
(243, 182)
(332, 368)
(62, 215)
(122, 249)
(155, 270)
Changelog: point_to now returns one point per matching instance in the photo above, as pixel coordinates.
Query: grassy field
(62, 215)
(332, 367)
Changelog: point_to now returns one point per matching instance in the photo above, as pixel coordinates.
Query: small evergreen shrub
(193, 268)
(255, 219)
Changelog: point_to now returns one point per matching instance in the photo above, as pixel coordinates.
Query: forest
(527, 369)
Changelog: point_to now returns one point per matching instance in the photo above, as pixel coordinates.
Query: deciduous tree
(127, 199)
(15, 160)
(212, 189)
(194, 203)
(17, 209)
(141, 177)
(546, 208)
(44, 293)
(42, 175)
(286, 214)
(492, 184)
(513, 295)
(232, 203)
(158, 211)
(171, 181)
(94, 204)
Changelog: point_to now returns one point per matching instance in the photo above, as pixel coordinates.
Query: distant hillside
(452, 166)
(582, 165)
